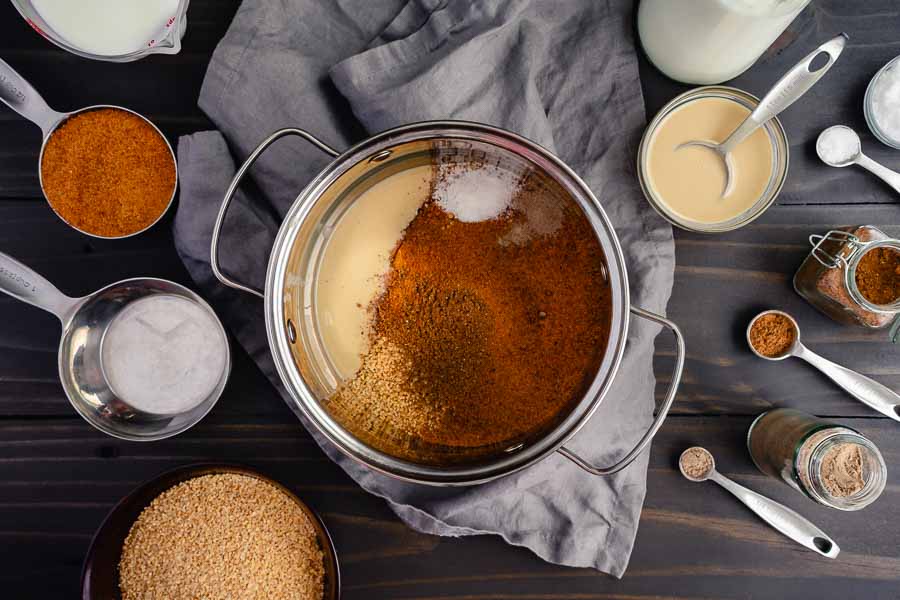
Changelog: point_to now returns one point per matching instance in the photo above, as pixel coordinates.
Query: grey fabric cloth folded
(561, 73)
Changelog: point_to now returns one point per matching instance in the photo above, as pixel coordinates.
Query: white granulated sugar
(474, 194)
(163, 354)
(837, 145)
(886, 102)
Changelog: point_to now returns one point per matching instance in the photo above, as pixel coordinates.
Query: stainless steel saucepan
(289, 295)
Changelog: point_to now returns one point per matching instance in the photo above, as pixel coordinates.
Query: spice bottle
(830, 463)
(830, 277)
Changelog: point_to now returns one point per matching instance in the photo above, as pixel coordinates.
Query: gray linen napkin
(561, 73)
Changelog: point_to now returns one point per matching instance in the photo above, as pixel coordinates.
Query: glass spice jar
(797, 448)
(827, 278)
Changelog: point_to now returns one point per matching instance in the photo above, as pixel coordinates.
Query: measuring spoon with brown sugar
(775, 335)
(697, 464)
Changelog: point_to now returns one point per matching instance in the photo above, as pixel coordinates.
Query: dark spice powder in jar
(108, 172)
(772, 335)
(485, 333)
(878, 276)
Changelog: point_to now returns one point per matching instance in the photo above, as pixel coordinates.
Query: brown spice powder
(486, 331)
(841, 470)
(878, 276)
(696, 463)
(108, 172)
(221, 537)
(772, 335)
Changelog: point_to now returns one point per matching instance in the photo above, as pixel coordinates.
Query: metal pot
(288, 297)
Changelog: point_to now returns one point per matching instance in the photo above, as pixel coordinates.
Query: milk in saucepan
(107, 27)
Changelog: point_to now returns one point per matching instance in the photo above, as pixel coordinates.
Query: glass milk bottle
(711, 41)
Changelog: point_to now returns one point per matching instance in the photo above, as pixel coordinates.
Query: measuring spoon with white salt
(839, 146)
(697, 464)
(141, 359)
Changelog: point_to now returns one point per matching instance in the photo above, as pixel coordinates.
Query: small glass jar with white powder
(882, 104)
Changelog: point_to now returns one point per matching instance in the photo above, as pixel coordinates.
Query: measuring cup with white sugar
(141, 359)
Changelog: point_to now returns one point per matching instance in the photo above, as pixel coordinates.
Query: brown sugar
(486, 331)
(878, 276)
(219, 537)
(108, 172)
(772, 335)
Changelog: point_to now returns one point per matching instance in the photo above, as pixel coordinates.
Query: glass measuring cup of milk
(711, 41)
(110, 30)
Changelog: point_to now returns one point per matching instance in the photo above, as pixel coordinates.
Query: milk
(711, 41)
(107, 27)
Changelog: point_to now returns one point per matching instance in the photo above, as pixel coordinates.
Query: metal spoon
(785, 92)
(866, 390)
(775, 514)
(892, 178)
(19, 95)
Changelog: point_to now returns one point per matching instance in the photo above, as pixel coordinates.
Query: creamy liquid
(107, 27)
(356, 259)
(710, 41)
(690, 181)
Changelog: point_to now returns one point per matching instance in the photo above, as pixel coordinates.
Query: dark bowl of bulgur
(211, 531)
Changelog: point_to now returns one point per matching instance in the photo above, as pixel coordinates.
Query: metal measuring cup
(19, 95)
(867, 391)
(85, 322)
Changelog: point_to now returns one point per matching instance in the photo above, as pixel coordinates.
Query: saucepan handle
(232, 189)
(660, 415)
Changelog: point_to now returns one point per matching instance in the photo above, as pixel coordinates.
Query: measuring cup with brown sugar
(105, 170)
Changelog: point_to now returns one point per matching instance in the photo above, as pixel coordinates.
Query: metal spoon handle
(781, 518)
(19, 95)
(787, 90)
(23, 283)
(859, 386)
(892, 178)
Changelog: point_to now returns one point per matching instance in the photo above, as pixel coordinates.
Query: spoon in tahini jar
(697, 464)
(785, 92)
(839, 146)
(867, 391)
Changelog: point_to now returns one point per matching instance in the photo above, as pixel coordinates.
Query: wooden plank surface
(58, 477)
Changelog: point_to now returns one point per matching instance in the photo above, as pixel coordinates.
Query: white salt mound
(837, 145)
(886, 102)
(473, 195)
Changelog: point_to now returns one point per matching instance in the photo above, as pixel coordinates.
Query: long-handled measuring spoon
(19, 95)
(785, 92)
(775, 514)
(866, 390)
(829, 149)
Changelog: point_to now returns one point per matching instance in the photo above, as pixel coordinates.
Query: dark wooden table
(59, 477)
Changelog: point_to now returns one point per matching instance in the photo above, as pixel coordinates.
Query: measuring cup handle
(660, 415)
(19, 95)
(867, 391)
(782, 518)
(232, 189)
(23, 283)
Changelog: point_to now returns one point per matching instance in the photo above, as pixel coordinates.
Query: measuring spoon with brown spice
(775, 335)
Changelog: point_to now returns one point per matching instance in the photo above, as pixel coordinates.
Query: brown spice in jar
(878, 276)
(830, 282)
(772, 335)
(222, 536)
(842, 471)
(108, 172)
(485, 333)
